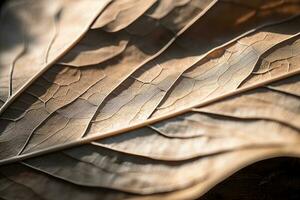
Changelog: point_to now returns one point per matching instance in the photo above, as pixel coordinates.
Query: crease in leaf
(175, 98)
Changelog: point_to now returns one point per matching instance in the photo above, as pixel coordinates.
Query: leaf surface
(179, 98)
(36, 34)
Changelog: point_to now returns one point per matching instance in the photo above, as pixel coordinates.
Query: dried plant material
(96, 47)
(164, 7)
(34, 34)
(64, 88)
(155, 90)
(122, 13)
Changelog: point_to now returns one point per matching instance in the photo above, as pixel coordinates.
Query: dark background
(2, 2)
(273, 179)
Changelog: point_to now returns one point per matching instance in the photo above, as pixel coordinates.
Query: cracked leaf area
(34, 34)
(223, 91)
(108, 75)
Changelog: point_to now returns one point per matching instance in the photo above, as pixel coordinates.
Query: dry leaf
(187, 90)
(34, 34)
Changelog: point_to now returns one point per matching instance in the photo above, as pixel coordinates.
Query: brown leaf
(159, 100)
(36, 34)
(73, 90)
